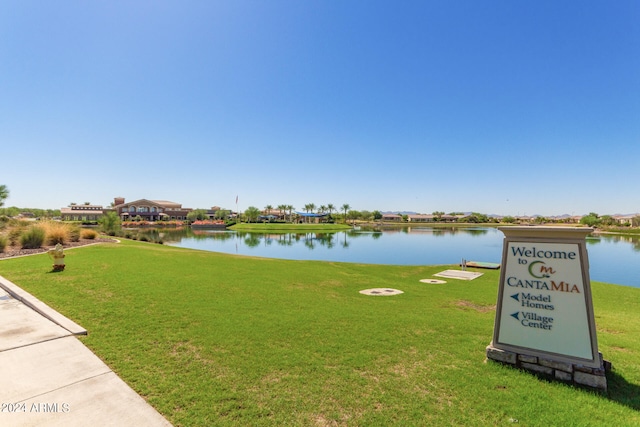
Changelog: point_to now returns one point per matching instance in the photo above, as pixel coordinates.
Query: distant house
(420, 218)
(453, 218)
(311, 217)
(434, 218)
(624, 219)
(82, 213)
(392, 217)
(273, 215)
(150, 210)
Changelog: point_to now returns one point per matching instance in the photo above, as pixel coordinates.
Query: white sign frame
(545, 307)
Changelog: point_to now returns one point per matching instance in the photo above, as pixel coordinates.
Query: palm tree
(282, 208)
(4, 194)
(268, 208)
(290, 209)
(345, 208)
(309, 207)
(322, 209)
(312, 207)
(331, 208)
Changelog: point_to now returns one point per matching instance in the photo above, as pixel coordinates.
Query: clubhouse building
(150, 210)
(86, 212)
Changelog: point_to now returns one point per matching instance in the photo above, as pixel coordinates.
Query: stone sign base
(560, 371)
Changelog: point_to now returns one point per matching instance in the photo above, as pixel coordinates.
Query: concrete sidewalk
(49, 378)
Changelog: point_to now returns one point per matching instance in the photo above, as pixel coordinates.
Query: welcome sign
(544, 301)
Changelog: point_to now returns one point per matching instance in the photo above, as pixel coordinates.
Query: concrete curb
(41, 308)
(50, 378)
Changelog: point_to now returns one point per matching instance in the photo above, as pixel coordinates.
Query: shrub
(88, 234)
(56, 236)
(56, 232)
(74, 232)
(14, 235)
(32, 238)
(3, 243)
(110, 223)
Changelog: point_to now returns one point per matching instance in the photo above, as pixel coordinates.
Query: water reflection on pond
(406, 246)
(613, 258)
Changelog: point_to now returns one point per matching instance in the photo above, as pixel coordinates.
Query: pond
(612, 258)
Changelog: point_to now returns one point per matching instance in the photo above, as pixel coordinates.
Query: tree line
(345, 213)
(595, 220)
(15, 211)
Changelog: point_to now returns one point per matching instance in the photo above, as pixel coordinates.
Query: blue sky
(504, 107)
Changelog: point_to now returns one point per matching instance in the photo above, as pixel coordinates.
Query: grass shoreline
(217, 339)
(272, 226)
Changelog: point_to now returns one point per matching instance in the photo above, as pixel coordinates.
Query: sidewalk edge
(40, 307)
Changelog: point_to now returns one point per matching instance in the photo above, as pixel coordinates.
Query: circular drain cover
(381, 292)
(434, 281)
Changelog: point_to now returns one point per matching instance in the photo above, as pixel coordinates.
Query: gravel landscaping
(15, 251)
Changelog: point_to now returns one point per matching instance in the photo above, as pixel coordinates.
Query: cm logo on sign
(543, 271)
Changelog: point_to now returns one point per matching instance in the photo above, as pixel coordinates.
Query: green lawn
(215, 339)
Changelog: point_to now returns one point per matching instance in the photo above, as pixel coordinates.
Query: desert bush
(32, 238)
(4, 241)
(15, 233)
(55, 232)
(88, 234)
(74, 232)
